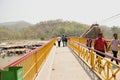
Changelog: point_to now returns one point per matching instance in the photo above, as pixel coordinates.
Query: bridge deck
(61, 64)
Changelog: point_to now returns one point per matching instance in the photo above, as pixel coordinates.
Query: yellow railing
(102, 67)
(32, 62)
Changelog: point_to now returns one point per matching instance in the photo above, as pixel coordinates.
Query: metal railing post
(92, 59)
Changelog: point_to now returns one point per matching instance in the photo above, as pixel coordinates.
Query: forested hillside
(109, 31)
(44, 30)
(48, 29)
(53, 28)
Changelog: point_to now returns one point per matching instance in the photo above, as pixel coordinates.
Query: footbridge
(72, 62)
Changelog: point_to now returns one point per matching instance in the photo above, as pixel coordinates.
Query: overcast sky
(83, 11)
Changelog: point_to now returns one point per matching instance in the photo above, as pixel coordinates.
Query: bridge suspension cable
(110, 18)
(102, 21)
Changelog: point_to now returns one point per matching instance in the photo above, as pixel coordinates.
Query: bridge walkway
(62, 64)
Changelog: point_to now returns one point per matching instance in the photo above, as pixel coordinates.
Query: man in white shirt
(59, 40)
(114, 43)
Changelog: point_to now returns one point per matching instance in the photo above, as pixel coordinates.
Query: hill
(53, 28)
(15, 24)
(46, 30)
(42, 30)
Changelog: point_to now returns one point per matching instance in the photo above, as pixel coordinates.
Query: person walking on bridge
(89, 43)
(63, 40)
(99, 44)
(66, 39)
(59, 40)
(114, 43)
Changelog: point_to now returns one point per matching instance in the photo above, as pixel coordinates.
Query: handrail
(102, 67)
(106, 55)
(32, 61)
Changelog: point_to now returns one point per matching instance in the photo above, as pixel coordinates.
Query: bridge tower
(92, 32)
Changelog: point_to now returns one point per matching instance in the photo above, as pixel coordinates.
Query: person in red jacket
(100, 44)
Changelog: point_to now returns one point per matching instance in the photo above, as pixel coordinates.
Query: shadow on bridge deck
(63, 64)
